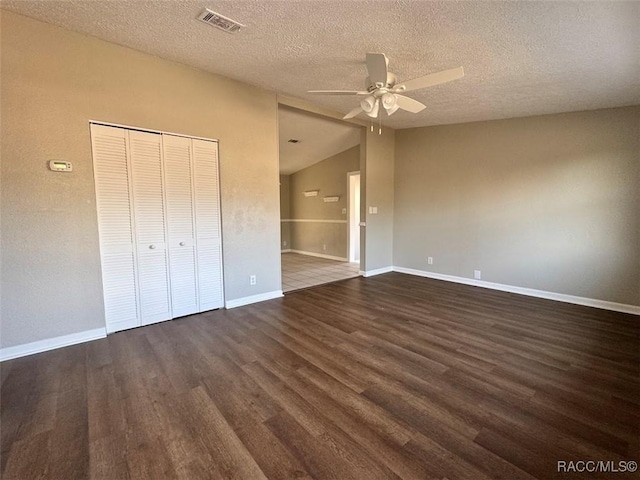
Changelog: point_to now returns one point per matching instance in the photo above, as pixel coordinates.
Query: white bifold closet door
(208, 225)
(110, 148)
(150, 225)
(193, 209)
(182, 229)
(159, 221)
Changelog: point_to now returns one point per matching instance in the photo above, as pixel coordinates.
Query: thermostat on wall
(60, 166)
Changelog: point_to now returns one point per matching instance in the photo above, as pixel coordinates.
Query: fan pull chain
(380, 125)
(372, 126)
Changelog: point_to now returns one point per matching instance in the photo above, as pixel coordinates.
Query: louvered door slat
(210, 274)
(147, 187)
(114, 208)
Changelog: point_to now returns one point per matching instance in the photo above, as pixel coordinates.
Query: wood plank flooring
(381, 378)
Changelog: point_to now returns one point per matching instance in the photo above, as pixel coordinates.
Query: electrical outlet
(477, 274)
(252, 280)
(344, 211)
(324, 247)
(284, 243)
(430, 260)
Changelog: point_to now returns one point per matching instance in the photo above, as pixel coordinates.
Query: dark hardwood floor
(387, 377)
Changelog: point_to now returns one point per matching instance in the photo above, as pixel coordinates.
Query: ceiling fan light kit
(382, 88)
(370, 105)
(390, 103)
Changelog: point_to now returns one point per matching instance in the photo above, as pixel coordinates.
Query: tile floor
(302, 271)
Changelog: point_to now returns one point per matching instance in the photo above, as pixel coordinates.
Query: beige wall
(285, 233)
(377, 173)
(329, 177)
(549, 202)
(53, 82)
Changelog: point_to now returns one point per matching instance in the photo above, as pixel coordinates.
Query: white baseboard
(320, 255)
(288, 250)
(23, 350)
(261, 297)
(560, 297)
(377, 271)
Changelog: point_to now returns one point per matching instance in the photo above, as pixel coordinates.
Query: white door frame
(353, 226)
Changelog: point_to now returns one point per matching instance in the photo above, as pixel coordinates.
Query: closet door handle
(182, 244)
(152, 247)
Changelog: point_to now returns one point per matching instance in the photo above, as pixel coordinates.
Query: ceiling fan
(383, 88)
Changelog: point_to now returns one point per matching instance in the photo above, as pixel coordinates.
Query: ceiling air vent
(219, 21)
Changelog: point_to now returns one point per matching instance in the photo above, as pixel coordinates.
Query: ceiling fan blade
(337, 92)
(377, 67)
(430, 80)
(353, 113)
(409, 104)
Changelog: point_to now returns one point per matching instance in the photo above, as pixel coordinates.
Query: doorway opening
(319, 198)
(354, 216)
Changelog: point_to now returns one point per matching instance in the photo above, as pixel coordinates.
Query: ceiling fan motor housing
(371, 87)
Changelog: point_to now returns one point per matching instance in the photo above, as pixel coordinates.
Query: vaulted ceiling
(318, 139)
(521, 58)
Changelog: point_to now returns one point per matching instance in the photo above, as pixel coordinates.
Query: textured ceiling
(521, 58)
(319, 137)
